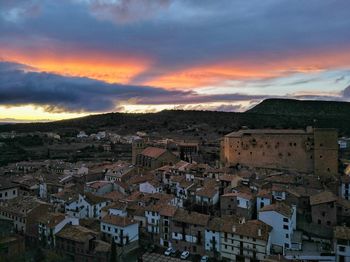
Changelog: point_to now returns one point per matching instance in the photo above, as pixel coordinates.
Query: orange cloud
(100, 66)
(253, 69)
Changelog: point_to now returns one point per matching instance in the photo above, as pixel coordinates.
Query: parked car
(169, 251)
(204, 259)
(185, 255)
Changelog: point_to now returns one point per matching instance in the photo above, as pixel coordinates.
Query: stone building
(314, 150)
(189, 231)
(153, 157)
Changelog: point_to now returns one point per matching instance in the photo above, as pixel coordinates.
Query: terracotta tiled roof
(193, 218)
(279, 207)
(323, 197)
(118, 220)
(153, 152)
(51, 219)
(207, 191)
(239, 194)
(168, 211)
(94, 199)
(97, 184)
(265, 194)
(77, 233)
(249, 229)
(114, 195)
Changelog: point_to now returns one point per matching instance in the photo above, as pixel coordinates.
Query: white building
(87, 206)
(282, 218)
(344, 188)
(82, 134)
(8, 190)
(123, 230)
(150, 187)
(278, 192)
(51, 224)
(245, 241)
(212, 236)
(342, 243)
(116, 208)
(263, 198)
(208, 195)
(99, 187)
(152, 214)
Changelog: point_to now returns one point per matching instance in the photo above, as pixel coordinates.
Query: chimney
(234, 228)
(259, 232)
(242, 220)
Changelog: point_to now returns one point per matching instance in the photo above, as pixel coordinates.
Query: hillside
(309, 108)
(273, 113)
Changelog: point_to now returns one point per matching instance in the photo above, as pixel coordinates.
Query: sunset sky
(67, 58)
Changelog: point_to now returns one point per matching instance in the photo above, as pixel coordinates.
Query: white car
(204, 259)
(169, 251)
(185, 255)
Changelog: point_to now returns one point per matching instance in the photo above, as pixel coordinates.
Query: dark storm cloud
(59, 93)
(179, 34)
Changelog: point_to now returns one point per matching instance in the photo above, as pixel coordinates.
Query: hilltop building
(314, 150)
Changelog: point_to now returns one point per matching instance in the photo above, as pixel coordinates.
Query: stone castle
(314, 150)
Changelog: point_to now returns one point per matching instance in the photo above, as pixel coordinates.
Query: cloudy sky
(68, 58)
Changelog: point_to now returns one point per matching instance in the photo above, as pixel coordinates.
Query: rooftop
(118, 220)
(279, 207)
(153, 152)
(77, 233)
(243, 132)
(193, 218)
(323, 197)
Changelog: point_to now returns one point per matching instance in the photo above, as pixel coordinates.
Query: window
(319, 221)
(287, 236)
(104, 227)
(285, 219)
(115, 230)
(341, 249)
(14, 192)
(285, 227)
(286, 245)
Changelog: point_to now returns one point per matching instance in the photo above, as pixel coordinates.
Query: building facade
(311, 150)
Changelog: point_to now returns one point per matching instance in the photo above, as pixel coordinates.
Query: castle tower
(137, 147)
(325, 151)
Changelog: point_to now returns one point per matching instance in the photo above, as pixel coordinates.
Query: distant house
(245, 241)
(282, 218)
(323, 209)
(152, 186)
(81, 244)
(153, 157)
(207, 195)
(99, 187)
(87, 206)
(8, 190)
(52, 223)
(344, 188)
(237, 203)
(341, 240)
(263, 198)
(189, 231)
(123, 230)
